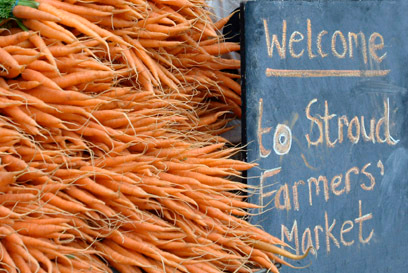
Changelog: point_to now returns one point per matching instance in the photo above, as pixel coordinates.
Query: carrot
(158, 43)
(230, 95)
(277, 250)
(181, 180)
(76, 9)
(40, 44)
(223, 21)
(25, 85)
(6, 212)
(228, 81)
(32, 229)
(83, 196)
(28, 99)
(177, 3)
(65, 63)
(47, 221)
(63, 204)
(205, 30)
(32, 75)
(210, 118)
(25, 44)
(144, 247)
(47, 31)
(100, 31)
(25, 12)
(127, 155)
(173, 30)
(59, 96)
(106, 8)
(41, 66)
(9, 67)
(182, 209)
(71, 21)
(139, 51)
(21, 264)
(141, 33)
(118, 257)
(91, 64)
(123, 187)
(19, 115)
(144, 75)
(196, 268)
(46, 119)
(109, 21)
(6, 178)
(16, 197)
(14, 49)
(164, 9)
(37, 254)
(60, 28)
(25, 59)
(9, 103)
(152, 18)
(82, 77)
(96, 188)
(6, 259)
(62, 50)
(14, 39)
(125, 268)
(38, 242)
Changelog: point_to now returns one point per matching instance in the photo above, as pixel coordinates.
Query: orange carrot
(9, 67)
(25, 12)
(96, 188)
(16, 197)
(82, 77)
(6, 178)
(76, 9)
(71, 21)
(32, 75)
(109, 21)
(40, 44)
(63, 204)
(60, 28)
(45, 119)
(25, 59)
(31, 229)
(47, 31)
(6, 259)
(158, 43)
(25, 85)
(14, 39)
(41, 66)
(39, 256)
(19, 115)
(18, 258)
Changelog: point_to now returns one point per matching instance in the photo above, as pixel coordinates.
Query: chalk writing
(286, 195)
(379, 130)
(337, 185)
(330, 232)
(325, 97)
(338, 45)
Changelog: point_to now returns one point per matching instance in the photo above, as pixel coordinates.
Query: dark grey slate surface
(358, 221)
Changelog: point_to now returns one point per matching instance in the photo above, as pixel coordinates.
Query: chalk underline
(270, 72)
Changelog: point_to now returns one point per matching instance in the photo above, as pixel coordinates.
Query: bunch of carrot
(110, 154)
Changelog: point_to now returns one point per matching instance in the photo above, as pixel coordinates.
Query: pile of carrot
(110, 154)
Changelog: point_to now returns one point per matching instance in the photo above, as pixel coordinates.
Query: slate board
(360, 216)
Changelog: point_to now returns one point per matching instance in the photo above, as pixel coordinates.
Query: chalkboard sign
(326, 119)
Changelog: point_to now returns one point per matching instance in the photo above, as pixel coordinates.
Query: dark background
(285, 100)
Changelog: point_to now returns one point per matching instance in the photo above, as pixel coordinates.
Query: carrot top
(6, 6)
